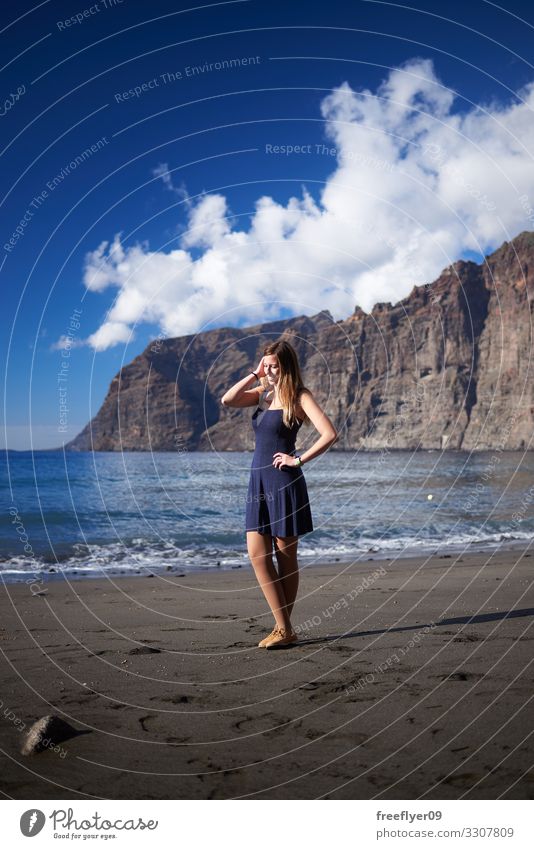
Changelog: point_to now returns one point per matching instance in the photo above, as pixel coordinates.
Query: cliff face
(447, 367)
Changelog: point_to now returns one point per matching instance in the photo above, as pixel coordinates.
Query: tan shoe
(266, 639)
(281, 638)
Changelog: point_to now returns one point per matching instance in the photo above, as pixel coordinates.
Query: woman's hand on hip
(280, 459)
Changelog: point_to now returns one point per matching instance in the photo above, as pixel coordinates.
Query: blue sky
(168, 170)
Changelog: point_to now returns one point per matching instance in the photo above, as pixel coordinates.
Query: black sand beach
(413, 679)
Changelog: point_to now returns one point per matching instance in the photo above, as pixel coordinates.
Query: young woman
(277, 500)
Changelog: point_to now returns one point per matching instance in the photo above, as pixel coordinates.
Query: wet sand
(413, 678)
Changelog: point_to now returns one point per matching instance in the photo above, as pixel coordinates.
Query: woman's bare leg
(260, 551)
(288, 568)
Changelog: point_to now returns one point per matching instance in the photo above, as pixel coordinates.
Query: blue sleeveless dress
(277, 499)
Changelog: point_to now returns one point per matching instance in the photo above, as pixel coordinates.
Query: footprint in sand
(460, 676)
(144, 650)
(175, 700)
(464, 779)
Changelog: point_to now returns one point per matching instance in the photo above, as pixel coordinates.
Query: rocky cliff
(449, 366)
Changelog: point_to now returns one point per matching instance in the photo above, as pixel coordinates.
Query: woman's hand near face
(260, 371)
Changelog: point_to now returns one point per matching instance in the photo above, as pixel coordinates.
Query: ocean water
(84, 514)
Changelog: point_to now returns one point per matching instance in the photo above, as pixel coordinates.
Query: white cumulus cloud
(419, 178)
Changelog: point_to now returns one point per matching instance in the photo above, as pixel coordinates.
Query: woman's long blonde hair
(290, 383)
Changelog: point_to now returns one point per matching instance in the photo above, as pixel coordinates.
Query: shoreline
(411, 679)
(306, 561)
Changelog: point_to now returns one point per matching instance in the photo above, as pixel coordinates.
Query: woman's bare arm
(239, 396)
(322, 423)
